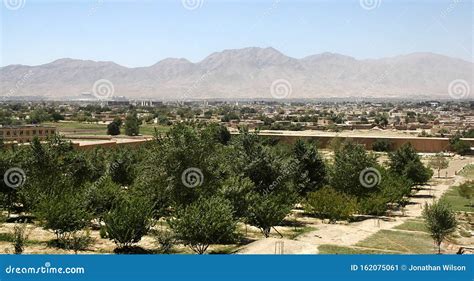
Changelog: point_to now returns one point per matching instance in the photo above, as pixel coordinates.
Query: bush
(64, 214)
(165, 239)
(327, 203)
(382, 145)
(20, 236)
(79, 241)
(129, 220)
(204, 222)
(375, 204)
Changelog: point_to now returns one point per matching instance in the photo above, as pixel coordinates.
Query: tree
(382, 145)
(132, 126)
(438, 162)
(461, 147)
(113, 128)
(440, 221)
(311, 169)
(406, 162)
(206, 221)
(350, 160)
(267, 211)
(101, 197)
(327, 203)
(64, 214)
(129, 220)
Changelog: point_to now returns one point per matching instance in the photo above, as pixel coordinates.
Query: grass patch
(412, 225)
(468, 171)
(458, 203)
(341, 250)
(8, 237)
(417, 243)
(300, 231)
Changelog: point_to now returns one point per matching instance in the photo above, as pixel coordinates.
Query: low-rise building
(26, 133)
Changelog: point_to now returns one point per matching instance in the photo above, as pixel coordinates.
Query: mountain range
(259, 73)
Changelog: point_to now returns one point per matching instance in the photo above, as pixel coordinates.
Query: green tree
(382, 145)
(64, 214)
(327, 203)
(267, 211)
(438, 162)
(101, 196)
(113, 128)
(204, 222)
(349, 162)
(406, 162)
(311, 169)
(129, 220)
(440, 221)
(132, 124)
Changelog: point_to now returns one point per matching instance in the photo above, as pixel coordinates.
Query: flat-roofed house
(26, 133)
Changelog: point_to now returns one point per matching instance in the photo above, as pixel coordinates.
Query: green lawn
(341, 250)
(412, 225)
(458, 203)
(410, 243)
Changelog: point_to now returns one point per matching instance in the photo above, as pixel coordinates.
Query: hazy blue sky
(140, 33)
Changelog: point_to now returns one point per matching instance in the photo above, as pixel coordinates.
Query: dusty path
(351, 234)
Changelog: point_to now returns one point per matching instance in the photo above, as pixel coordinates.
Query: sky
(141, 33)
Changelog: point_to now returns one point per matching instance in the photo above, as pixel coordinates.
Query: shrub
(20, 236)
(327, 203)
(165, 239)
(206, 221)
(375, 204)
(79, 241)
(129, 220)
(382, 145)
(64, 214)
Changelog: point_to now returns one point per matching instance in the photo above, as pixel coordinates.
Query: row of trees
(245, 178)
(132, 125)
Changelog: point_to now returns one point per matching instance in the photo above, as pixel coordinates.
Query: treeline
(201, 183)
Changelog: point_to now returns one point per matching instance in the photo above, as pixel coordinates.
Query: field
(99, 129)
(401, 241)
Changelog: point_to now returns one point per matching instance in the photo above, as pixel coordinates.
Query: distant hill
(246, 73)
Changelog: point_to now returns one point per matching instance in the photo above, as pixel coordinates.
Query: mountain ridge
(245, 73)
